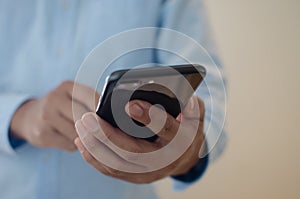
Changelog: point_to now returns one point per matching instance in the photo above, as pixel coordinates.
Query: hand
(48, 121)
(100, 147)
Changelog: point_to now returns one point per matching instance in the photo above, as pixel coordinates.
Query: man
(42, 44)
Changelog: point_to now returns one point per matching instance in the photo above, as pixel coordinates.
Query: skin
(48, 122)
(88, 127)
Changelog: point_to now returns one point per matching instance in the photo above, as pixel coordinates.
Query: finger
(194, 109)
(82, 94)
(193, 113)
(101, 152)
(81, 148)
(61, 124)
(156, 119)
(127, 147)
(72, 110)
(109, 133)
(89, 158)
(139, 178)
(78, 110)
(59, 141)
(64, 105)
(65, 128)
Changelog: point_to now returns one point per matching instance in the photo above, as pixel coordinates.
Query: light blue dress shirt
(42, 43)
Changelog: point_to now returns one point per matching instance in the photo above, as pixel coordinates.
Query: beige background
(259, 44)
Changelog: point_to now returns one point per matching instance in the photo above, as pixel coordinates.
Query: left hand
(99, 142)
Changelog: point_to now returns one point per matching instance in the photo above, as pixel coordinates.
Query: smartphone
(168, 87)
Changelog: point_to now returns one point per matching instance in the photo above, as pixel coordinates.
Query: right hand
(48, 122)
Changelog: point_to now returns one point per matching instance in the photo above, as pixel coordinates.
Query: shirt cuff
(181, 182)
(9, 103)
(14, 142)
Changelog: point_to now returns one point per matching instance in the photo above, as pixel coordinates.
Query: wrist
(185, 167)
(195, 172)
(19, 123)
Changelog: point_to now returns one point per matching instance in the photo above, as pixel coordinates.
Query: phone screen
(167, 88)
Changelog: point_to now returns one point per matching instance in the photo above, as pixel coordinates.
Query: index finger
(82, 94)
(156, 119)
(107, 134)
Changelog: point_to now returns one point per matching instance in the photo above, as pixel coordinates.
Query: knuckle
(63, 87)
(66, 84)
(51, 97)
(49, 100)
(38, 134)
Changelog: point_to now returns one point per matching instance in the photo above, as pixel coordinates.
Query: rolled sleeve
(9, 103)
(182, 182)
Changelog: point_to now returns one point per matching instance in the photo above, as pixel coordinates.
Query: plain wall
(259, 45)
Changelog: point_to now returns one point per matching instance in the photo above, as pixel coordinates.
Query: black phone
(169, 87)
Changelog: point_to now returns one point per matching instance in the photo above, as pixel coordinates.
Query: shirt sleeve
(9, 103)
(186, 38)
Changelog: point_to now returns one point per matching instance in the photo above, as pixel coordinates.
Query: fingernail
(90, 122)
(136, 110)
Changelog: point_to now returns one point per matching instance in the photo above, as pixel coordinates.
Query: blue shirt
(42, 43)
